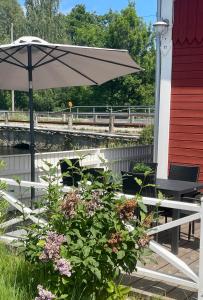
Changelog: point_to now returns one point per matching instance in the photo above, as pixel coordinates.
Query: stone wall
(50, 140)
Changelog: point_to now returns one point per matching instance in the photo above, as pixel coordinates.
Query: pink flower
(64, 267)
(52, 246)
(44, 294)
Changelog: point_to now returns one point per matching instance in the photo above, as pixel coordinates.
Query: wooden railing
(92, 114)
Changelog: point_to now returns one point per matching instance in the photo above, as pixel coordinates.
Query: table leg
(175, 232)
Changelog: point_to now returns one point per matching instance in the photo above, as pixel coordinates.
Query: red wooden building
(181, 99)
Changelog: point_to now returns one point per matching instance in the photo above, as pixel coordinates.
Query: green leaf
(111, 287)
(142, 206)
(124, 289)
(96, 272)
(86, 251)
(64, 296)
(75, 259)
(120, 254)
(65, 280)
(142, 215)
(41, 243)
(139, 181)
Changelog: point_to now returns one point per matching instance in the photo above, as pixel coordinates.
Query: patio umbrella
(31, 63)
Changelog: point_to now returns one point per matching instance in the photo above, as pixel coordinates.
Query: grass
(18, 277)
(16, 282)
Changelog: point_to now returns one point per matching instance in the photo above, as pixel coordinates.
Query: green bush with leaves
(142, 168)
(91, 235)
(147, 136)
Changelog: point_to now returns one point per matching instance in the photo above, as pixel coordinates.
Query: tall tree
(85, 28)
(126, 30)
(44, 20)
(10, 12)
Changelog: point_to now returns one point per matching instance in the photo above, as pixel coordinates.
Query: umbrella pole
(32, 137)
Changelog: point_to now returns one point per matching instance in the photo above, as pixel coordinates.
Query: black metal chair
(70, 173)
(94, 174)
(131, 187)
(186, 173)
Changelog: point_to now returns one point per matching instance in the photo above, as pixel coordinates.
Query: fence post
(35, 119)
(129, 114)
(6, 118)
(70, 121)
(200, 288)
(64, 118)
(111, 123)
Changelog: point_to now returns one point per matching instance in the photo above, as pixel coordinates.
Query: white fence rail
(192, 280)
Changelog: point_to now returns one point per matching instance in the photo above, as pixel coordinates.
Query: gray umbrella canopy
(55, 65)
(31, 63)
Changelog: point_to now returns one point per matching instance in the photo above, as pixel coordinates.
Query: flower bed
(90, 236)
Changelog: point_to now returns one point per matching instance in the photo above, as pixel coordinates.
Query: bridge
(53, 138)
(112, 116)
(84, 126)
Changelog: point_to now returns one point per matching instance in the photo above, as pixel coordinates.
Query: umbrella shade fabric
(55, 65)
(31, 63)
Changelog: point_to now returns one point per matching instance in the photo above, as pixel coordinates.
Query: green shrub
(146, 136)
(142, 168)
(87, 240)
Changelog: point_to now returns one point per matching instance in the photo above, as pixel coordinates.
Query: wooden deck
(188, 252)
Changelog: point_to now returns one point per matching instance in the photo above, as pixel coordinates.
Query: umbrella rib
(72, 68)
(11, 63)
(96, 58)
(5, 59)
(38, 63)
(48, 61)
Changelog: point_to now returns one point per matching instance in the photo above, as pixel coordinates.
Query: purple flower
(69, 203)
(64, 267)
(52, 247)
(94, 204)
(44, 294)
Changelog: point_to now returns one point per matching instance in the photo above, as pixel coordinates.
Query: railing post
(64, 118)
(129, 114)
(111, 123)
(77, 113)
(6, 118)
(35, 119)
(200, 288)
(70, 121)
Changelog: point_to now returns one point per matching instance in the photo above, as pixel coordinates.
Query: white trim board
(165, 91)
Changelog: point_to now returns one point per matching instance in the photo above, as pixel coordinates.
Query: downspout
(157, 85)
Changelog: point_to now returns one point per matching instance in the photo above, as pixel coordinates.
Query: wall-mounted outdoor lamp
(161, 27)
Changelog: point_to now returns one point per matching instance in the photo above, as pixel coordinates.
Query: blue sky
(145, 8)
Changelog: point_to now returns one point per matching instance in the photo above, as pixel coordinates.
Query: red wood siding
(186, 121)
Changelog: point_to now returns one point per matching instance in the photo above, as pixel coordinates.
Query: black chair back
(94, 173)
(184, 173)
(73, 175)
(152, 165)
(131, 187)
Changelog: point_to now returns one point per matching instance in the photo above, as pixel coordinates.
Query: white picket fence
(192, 280)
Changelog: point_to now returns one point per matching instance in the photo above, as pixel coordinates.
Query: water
(10, 151)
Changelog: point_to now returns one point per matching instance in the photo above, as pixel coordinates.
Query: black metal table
(177, 189)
